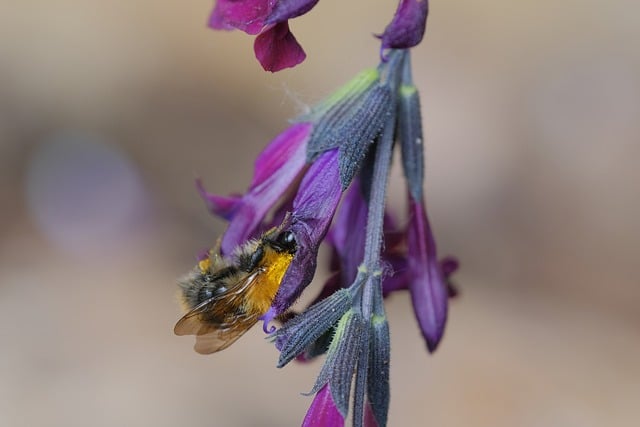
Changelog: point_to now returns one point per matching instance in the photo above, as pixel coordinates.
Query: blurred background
(110, 109)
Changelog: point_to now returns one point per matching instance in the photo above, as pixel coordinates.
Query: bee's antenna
(286, 222)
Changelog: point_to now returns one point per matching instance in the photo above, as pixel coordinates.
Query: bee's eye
(286, 240)
(286, 237)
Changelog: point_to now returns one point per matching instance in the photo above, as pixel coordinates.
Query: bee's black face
(285, 242)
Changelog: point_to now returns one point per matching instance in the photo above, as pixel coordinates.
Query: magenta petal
(279, 152)
(224, 207)
(313, 209)
(244, 15)
(276, 48)
(284, 10)
(408, 25)
(323, 412)
(369, 418)
(427, 285)
(276, 168)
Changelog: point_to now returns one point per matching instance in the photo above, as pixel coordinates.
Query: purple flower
(275, 47)
(408, 25)
(325, 178)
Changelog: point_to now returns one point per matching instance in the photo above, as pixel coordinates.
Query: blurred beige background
(110, 109)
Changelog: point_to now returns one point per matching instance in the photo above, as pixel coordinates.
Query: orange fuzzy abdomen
(262, 292)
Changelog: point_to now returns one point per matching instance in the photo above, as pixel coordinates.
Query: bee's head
(283, 241)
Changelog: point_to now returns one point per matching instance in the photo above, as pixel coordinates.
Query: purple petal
(284, 10)
(323, 412)
(407, 27)
(427, 284)
(224, 207)
(275, 169)
(276, 48)
(279, 152)
(349, 231)
(244, 15)
(369, 418)
(449, 265)
(313, 209)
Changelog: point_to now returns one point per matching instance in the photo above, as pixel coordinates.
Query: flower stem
(371, 294)
(382, 164)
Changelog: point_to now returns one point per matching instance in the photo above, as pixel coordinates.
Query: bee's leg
(251, 261)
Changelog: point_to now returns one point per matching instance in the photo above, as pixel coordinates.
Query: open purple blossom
(275, 46)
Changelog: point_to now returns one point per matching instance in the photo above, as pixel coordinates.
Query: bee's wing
(215, 322)
(219, 339)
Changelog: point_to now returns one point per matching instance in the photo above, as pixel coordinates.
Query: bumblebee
(225, 296)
